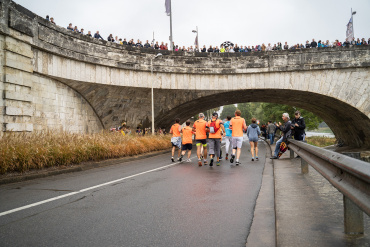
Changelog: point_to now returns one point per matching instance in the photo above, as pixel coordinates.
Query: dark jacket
(97, 36)
(301, 126)
(286, 129)
(313, 44)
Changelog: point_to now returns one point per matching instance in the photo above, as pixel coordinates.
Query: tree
(228, 110)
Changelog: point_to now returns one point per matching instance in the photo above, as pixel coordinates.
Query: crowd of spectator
(227, 48)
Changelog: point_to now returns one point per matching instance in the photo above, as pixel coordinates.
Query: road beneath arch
(179, 205)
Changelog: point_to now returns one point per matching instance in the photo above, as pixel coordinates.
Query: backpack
(212, 127)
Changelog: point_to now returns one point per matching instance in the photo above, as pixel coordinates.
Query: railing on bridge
(348, 175)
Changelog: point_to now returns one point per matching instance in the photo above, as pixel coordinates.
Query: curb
(74, 168)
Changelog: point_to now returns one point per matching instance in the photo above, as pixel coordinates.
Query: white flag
(168, 7)
(349, 33)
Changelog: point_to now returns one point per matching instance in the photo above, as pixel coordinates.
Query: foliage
(269, 111)
(228, 110)
(21, 152)
(320, 141)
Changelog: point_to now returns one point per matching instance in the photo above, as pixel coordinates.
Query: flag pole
(171, 38)
(353, 30)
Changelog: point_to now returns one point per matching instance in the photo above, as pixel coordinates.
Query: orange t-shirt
(237, 126)
(175, 130)
(187, 135)
(200, 129)
(216, 135)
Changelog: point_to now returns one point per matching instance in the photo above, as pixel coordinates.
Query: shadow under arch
(347, 123)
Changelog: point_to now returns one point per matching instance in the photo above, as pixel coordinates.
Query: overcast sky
(243, 22)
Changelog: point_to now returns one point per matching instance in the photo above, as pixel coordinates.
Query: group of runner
(232, 130)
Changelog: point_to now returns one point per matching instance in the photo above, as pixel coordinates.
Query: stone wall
(55, 78)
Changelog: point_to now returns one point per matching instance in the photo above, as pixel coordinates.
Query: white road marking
(83, 190)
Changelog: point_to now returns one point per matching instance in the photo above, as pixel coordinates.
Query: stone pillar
(17, 85)
(353, 216)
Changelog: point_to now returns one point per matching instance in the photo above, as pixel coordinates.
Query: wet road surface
(179, 205)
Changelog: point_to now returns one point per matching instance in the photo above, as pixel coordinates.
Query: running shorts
(187, 146)
(201, 141)
(237, 142)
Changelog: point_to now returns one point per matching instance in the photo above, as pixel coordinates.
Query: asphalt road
(178, 205)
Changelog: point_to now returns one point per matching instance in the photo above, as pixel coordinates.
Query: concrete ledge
(52, 171)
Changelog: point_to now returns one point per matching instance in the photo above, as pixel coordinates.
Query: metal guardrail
(350, 176)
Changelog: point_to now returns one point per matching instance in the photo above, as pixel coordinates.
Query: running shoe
(232, 158)
(218, 163)
(237, 163)
(257, 159)
(199, 162)
(179, 159)
(172, 159)
(211, 162)
(188, 160)
(227, 157)
(205, 162)
(252, 159)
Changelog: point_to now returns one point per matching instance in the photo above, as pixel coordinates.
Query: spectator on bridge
(97, 35)
(156, 46)
(89, 34)
(216, 50)
(274, 48)
(116, 39)
(308, 45)
(82, 31)
(236, 48)
(269, 48)
(319, 44)
(222, 49)
(147, 44)
(287, 133)
(70, 27)
(210, 49)
(52, 20)
(286, 46)
(364, 42)
(313, 43)
(279, 46)
(263, 47)
(47, 18)
(270, 132)
(204, 49)
(368, 41)
(162, 46)
(231, 49)
(110, 38)
(346, 43)
(241, 49)
(124, 42)
(76, 29)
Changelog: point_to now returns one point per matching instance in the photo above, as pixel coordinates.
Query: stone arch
(348, 123)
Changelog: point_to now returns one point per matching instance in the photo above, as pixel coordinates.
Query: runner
(237, 125)
(200, 128)
(187, 141)
(228, 137)
(214, 140)
(253, 131)
(176, 138)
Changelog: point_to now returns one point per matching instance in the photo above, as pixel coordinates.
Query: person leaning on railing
(287, 133)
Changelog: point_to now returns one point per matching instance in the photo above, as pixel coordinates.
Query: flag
(349, 33)
(196, 41)
(168, 7)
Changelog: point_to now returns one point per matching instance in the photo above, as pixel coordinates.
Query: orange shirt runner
(218, 133)
(236, 124)
(175, 130)
(187, 135)
(200, 129)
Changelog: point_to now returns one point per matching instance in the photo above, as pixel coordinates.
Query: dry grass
(320, 141)
(22, 152)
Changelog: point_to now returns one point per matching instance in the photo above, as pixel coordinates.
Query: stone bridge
(52, 78)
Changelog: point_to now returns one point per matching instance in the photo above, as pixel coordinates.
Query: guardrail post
(353, 218)
(304, 166)
(291, 154)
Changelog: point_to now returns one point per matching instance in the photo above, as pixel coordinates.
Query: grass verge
(20, 152)
(321, 141)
